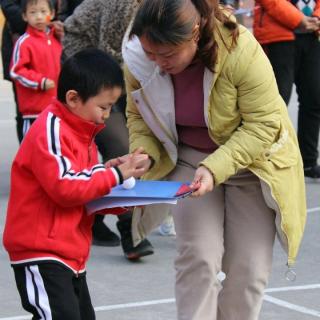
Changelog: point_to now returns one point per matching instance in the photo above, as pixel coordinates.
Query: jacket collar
(84, 129)
(40, 34)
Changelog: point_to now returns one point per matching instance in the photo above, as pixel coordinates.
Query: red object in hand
(185, 190)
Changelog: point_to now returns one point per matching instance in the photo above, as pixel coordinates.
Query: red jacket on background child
(54, 174)
(36, 57)
(275, 20)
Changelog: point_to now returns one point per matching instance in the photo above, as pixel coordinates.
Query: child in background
(36, 61)
(48, 231)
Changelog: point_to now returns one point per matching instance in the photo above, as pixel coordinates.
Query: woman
(204, 104)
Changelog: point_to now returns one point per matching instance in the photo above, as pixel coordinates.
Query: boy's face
(38, 14)
(96, 109)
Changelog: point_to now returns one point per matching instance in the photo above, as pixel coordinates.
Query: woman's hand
(120, 160)
(204, 178)
(49, 84)
(131, 165)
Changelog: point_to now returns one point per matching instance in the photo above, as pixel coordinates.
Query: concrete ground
(144, 290)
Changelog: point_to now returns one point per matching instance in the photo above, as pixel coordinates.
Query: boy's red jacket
(54, 173)
(36, 57)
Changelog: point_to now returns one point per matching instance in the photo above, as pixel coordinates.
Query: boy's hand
(204, 179)
(49, 84)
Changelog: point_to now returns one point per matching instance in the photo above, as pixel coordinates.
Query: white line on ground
(292, 306)
(267, 298)
(133, 304)
(294, 288)
(313, 209)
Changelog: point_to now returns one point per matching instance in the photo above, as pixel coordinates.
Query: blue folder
(143, 193)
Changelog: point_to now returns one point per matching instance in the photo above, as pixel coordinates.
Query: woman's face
(170, 58)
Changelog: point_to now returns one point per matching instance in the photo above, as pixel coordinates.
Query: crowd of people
(162, 90)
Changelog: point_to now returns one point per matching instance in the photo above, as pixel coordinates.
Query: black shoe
(103, 236)
(312, 172)
(144, 248)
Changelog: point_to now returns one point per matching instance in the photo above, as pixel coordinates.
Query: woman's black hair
(88, 72)
(170, 22)
(25, 3)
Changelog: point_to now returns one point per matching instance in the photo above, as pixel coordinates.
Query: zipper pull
(290, 274)
(49, 42)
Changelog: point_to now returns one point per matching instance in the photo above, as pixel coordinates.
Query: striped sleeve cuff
(117, 174)
(43, 83)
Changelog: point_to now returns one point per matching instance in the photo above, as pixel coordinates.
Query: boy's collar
(83, 128)
(38, 33)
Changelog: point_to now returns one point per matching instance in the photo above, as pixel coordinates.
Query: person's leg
(82, 292)
(48, 292)
(19, 119)
(281, 56)
(248, 241)
(6, 53)
(112, 142)
(102, 235)
(308, 88)
(26, 124)
(199, 228)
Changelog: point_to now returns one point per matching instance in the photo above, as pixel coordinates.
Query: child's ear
(52, 15)
(72, 99)
(24, 17)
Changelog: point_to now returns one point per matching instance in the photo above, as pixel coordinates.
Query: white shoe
(167, 227)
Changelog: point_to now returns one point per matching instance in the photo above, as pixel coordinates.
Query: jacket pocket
(284, 153)
(54, 225)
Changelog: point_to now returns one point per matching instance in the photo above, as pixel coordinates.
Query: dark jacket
(13, 28)
(66, 8)
(99, 24)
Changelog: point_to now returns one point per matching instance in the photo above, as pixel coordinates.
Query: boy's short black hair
(25, 3)
(88, 72)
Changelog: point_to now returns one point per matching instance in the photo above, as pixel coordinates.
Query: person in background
(203, 103)
(102, 24)
(289, 34)
(14, 27)
(35, 63)
(48, 230)
(66, 8)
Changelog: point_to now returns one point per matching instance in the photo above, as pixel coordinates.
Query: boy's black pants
(298, 62)
(52, 291)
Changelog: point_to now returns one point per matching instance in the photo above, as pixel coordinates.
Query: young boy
(55, 173)
(35, 62)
